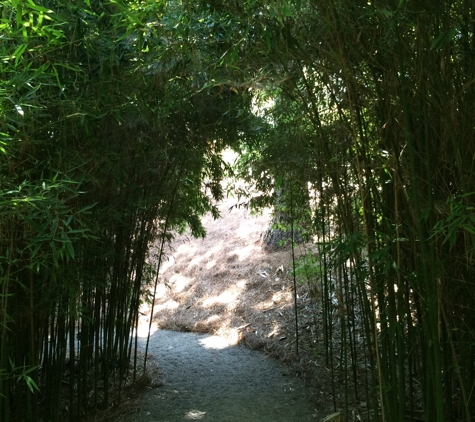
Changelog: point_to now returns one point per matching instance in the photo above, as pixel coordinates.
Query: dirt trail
(206, 378)
(227, 285)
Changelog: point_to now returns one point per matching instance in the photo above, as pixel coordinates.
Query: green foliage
(371, 110)
(109, 140)
(21, 374)
(112, 119)
(308, 268)
(460, 220)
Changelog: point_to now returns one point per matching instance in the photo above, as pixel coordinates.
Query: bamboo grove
(112, 119)
(108, 143)
(373, 111)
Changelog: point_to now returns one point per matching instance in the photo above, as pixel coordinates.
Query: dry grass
(230, 285)
(226, 284)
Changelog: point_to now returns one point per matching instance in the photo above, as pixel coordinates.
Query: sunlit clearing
(195, 414)
(214, 342)
(142, 330)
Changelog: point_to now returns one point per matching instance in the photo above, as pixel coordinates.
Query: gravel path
(207, 379)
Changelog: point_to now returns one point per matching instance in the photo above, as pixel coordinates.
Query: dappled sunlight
(143, 330)
(212, 319)
(180, 282)
(210, 252)
(185, 248)
(248, 228)
(195, 262)
(215, 342)
(282, 296)
(229, 285)
(227, 297)
(241, 283)
(244, 252)
(168, 305)
(230, 334)
(264, 305)
(194, 415)
(210, 264)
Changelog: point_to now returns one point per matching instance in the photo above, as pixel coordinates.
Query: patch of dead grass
(221, 283)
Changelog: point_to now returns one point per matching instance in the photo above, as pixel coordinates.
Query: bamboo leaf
(444, 38)
(18, 52)
(69, 247)
(30, 221)
(34, 6)
(87, 208)
(285, 9)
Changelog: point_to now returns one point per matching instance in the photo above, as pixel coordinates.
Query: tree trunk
(279, 234)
